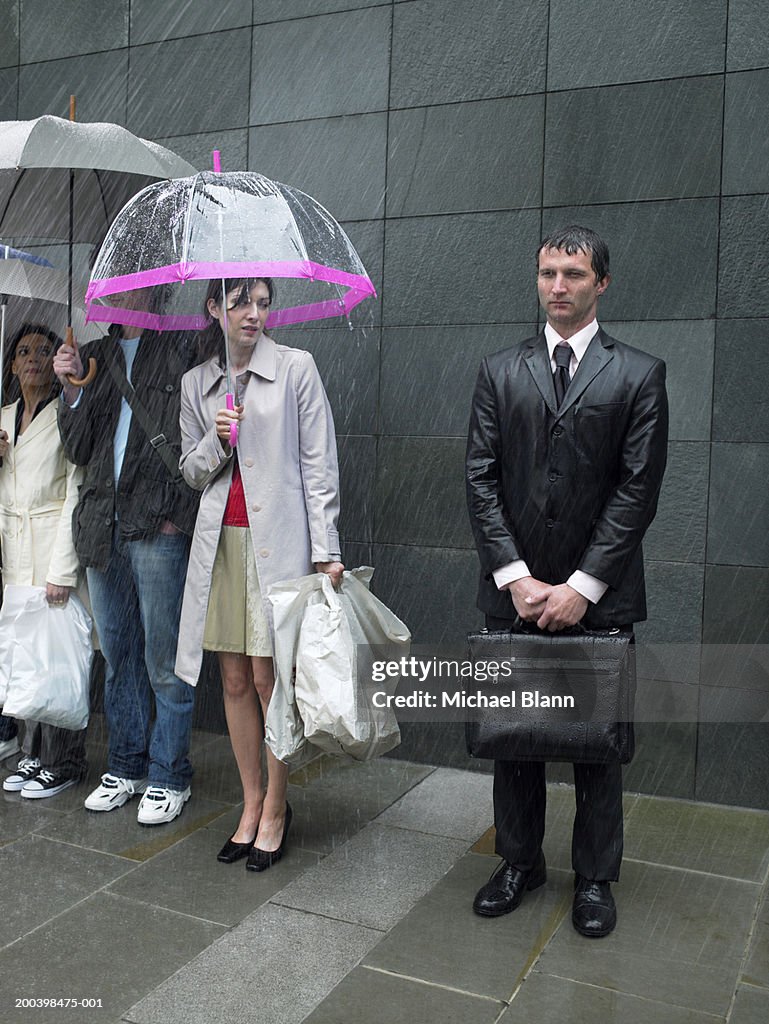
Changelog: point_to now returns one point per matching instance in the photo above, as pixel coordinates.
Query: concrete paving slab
(480, 955)
(389, 999)
(548, 1000)
(105, 948)
(375, 878)
(751, 1006)
(189, 879)
(447, 803)
(19, 817)
(757, 968)
(42, 879)
(729, 841)
(273, 968)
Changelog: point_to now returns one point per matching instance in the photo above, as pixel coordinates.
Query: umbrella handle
(230, 399)
(83, 381)
(69, 339)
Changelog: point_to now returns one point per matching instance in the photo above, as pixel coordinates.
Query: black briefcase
(565, 696)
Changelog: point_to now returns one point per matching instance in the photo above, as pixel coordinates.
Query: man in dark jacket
(566, 453)
(131, 530)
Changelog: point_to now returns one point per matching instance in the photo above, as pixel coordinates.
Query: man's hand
(529, 597)
(67, 363)
(564, 607)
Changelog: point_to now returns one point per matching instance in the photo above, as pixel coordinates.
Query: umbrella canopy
(110, 163)
(8, 253)
(39, 293)
(238, 224)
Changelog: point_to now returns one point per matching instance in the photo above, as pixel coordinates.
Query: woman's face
(33, 361)
(247, 313)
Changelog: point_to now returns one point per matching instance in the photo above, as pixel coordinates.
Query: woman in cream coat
(268, 512)
(38, 492)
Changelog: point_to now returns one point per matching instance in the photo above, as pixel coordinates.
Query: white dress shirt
(588, 586)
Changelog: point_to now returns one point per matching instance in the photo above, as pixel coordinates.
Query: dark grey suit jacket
(572, 489)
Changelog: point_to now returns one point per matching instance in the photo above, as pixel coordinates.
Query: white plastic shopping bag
(14, 599)
(50, 662)
(328, 642)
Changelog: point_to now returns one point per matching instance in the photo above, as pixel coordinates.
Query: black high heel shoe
(231, 851)
(260, 860)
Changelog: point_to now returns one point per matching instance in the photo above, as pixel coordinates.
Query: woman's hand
(56, 596)
(332, 569)
(5, 444)
(224, 420)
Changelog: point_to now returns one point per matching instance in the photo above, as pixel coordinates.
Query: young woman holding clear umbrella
(268, 512)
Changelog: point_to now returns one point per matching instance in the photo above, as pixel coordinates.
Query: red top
(235, 513)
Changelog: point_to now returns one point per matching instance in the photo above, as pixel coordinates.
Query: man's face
(568, 290)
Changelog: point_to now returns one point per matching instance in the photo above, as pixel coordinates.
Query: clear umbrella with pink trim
(182, 234)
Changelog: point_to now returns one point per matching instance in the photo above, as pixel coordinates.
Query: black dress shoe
(594, 913)
(260, 860)
(504, 890)
(231, 851)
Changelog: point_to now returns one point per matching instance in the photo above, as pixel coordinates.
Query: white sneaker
(159, 805)
(8, 747)
(27, 769)
(113, 792)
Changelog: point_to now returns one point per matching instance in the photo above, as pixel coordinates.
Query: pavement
(367, 919)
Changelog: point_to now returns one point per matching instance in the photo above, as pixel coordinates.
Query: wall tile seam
(641, 81)
(74, 56)
(323, 14)
(408, 326)
(558, 206)
(310, 120)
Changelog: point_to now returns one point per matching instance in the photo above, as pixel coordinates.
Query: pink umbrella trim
(359, 287)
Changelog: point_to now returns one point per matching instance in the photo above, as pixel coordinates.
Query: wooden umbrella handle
(69, 339)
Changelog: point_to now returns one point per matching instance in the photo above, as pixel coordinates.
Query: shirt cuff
(75, 404)
(588, 586)
(510, 573)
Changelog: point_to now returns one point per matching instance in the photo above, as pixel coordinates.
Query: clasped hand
(224, 420)
(551, 607)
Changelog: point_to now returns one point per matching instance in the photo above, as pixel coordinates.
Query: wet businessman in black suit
(565, 458)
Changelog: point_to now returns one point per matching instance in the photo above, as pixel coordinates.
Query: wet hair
(11, 386)
(574, 239)
(211, 338)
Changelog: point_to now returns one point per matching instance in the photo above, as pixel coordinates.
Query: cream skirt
(235, 621)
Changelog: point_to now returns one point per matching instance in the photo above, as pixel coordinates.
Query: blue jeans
(136, 604)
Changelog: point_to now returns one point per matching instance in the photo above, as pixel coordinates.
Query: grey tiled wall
(448, 135)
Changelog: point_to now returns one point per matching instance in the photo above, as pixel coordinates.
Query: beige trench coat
(288, 462)
(38, 492)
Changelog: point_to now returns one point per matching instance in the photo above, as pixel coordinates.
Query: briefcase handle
(520, 625)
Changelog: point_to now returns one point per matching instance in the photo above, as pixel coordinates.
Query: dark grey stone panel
(66, 28)
(283, 10)
(748, 43)
(355, 554)
(368, 238)
(627, 143)
(357, 467)
(348, 362)
(665, 759)
(431, 589)
(445, 51)
(743, 257)
(678, 532)
(738, 523)
(649, 244)
(441, 743)
(595, 43)
(687, 348)
(429, 373)
(339, 161)
(674, 603)
(736, 602)
(434, 164)
(321, 67)
(420, 492)
(197, 149)
(733, 764)
(97, 80)
(470, 268)
(152, 22)
(746, 151)
(741, 375)
(9, 37)
(9, 91)
(175, 88)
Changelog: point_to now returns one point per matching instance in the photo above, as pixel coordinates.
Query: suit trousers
(520, 798)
